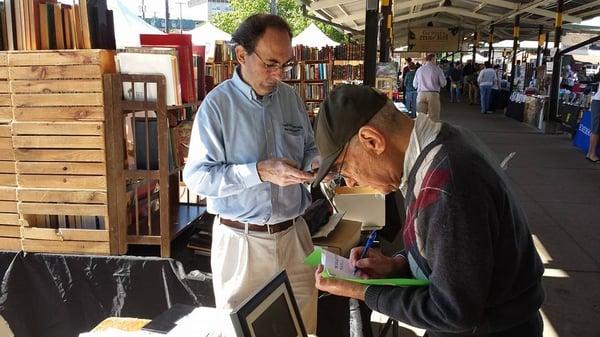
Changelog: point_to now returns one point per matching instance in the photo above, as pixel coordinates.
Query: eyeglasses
(272, 67)
(339, 175)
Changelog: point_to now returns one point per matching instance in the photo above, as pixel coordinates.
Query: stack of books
(48, 24)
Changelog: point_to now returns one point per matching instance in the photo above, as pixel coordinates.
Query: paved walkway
(560, 192)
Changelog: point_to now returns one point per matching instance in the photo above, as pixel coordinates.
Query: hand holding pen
(370, 241)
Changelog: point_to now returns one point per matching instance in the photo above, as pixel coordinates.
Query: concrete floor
(560, 192)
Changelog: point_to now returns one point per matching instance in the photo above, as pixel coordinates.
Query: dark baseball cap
(346, 109)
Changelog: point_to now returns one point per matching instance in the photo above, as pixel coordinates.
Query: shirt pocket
(293, 146)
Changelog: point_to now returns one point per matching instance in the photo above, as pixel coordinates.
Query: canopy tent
(312, 36)
(206, 35)
(128, 26)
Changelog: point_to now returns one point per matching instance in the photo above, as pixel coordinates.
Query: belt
(271, 229)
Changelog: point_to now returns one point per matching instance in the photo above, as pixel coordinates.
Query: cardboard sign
(432, 39)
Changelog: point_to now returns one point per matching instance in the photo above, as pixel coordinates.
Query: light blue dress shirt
(233, 130)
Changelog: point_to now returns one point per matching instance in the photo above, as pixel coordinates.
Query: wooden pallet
(59, 153)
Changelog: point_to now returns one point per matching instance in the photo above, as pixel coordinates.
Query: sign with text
(433, 39)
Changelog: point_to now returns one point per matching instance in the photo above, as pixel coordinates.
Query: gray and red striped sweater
(467, 235)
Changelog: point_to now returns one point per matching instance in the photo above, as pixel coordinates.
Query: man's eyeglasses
(272, 67)
(338, 177)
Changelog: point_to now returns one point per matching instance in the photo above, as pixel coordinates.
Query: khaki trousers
(429, 103)
(242, 262)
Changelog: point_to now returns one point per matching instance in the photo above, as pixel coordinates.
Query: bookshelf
(148, 190)
(315, 73)
(312, 80)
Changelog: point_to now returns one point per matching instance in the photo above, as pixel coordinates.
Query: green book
(339, 267)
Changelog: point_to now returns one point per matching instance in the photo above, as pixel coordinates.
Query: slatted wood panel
(57, 114)
(66, 247)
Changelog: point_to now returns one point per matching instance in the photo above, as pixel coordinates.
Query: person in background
(465, 232)
(429, 81)
(468, 71)
(252, 148)
(411, 92)
(592, 154)
(475, 85)
(498, 75)
(487, 79)
(455, 75)
(403, 77)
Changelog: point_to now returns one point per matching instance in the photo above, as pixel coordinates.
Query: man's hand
(377, 265)
(339, 287)
(282, 172)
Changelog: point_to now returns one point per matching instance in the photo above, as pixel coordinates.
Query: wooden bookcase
(311, 89)
(146, 196)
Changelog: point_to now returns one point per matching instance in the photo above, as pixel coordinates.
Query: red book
(183, 44)
(199, 54)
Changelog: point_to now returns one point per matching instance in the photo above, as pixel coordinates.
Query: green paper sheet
(314, 259)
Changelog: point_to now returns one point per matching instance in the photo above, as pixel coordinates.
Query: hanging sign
(433, 39)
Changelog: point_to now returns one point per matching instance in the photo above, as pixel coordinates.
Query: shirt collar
(424, 132)
(247, 89)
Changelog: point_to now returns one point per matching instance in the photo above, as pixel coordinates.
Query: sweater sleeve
(455, 233)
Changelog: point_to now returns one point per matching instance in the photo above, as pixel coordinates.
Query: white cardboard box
(362, 204)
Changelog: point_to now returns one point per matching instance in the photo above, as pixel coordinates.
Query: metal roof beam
(451, 10)
(316, 5)
(410, 4)
(582, 7)
(349, 18)
(551, 14)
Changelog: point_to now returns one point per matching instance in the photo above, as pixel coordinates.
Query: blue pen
(370, 242)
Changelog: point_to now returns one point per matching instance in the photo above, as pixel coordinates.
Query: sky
(158, 7)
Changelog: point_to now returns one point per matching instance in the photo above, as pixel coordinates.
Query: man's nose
(277, 74)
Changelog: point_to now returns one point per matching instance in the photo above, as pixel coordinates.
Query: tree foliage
(288, 9)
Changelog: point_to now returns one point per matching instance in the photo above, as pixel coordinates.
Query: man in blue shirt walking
(251, 149)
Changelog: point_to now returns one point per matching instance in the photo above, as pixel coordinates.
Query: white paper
(205, 322)
(140, 63)
(336, 265)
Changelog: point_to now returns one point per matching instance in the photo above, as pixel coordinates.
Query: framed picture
(270, 312)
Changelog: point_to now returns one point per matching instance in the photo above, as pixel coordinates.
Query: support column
(491, 45)
(541, 40)
(513, 71)
(370, 60)
(475, 42)
(556, 66)
(385, 31)
(167, 22)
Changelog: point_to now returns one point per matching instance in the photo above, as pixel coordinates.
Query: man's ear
(372, 139)
(240, 54)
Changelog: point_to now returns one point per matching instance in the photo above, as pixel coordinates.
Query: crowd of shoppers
(469, 83)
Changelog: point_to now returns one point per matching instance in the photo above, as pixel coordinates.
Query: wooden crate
(9, 217)
(58, 136)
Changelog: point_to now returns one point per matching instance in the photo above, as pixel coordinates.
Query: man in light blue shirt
(251, 150)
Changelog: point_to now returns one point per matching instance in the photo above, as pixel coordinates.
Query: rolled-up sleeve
(207, 172)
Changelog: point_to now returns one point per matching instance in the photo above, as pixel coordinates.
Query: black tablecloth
(515, 110)
(499, 99)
